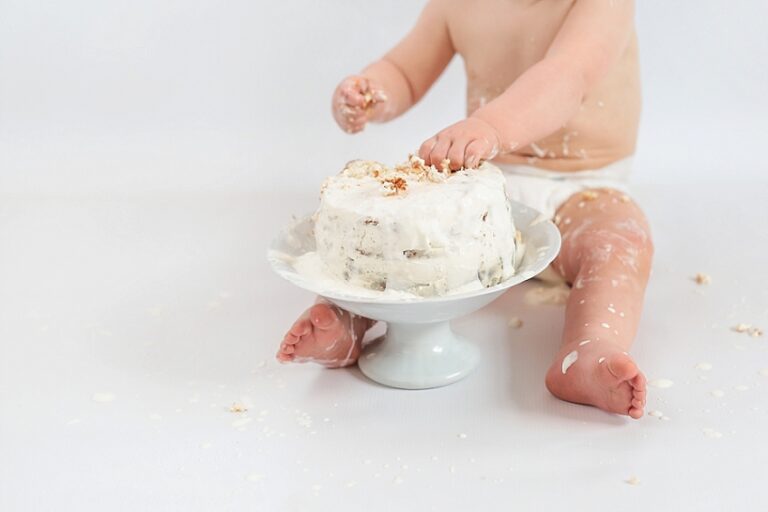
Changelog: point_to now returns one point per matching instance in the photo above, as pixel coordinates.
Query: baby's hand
(355, 102)
(466, 144)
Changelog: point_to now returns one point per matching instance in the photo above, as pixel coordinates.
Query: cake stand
(419, 349)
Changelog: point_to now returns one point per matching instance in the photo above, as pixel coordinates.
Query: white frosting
(414, 229)
(551, 295)
(568, 360)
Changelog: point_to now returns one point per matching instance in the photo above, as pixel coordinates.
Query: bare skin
(324, 334)
(554, 84)
(606, 256)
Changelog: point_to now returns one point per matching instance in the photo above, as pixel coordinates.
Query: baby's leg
(324, 334)
(606, 256)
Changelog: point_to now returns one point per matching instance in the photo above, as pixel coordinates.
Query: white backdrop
(170, 94)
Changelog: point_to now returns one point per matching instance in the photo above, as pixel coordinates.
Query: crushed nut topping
(589, 195)
(395, 180)
(394, 186)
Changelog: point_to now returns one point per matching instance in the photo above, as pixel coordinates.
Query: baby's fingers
(353, 91)
(353, 97)
(476, 151)
(426, 148)
(439, 151)
(457, 154)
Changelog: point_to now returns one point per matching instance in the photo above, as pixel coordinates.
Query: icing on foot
(324, 334)
(598, 373)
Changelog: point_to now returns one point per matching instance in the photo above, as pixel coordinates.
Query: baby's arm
(548, 94)
(393, 84)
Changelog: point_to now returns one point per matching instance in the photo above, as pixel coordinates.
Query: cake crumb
(751, 330)
(661, 383)
(515, 322)
(237, 408)
(702, 278)
(548, 295)
(241, 422)
(712, 433)
(103, 397)
(633, 480)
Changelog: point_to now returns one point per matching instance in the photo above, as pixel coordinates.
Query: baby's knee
(622, 242)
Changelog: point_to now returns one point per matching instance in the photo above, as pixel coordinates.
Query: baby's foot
(598, 373)
(324, 334)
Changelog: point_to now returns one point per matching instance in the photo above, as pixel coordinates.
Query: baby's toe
(301, 327)
(635, 413)
(291, 339)
(283, 357)
(323, 316)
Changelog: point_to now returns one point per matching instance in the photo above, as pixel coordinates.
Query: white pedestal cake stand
(419, 350)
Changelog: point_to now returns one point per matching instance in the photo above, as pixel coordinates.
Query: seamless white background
(150, 150)
(164, 94)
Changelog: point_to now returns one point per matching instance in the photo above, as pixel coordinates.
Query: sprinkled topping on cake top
(394, 181)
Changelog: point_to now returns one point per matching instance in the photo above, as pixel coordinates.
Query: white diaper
(546, 190)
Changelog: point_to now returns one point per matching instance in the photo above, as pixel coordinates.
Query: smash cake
(413, 229)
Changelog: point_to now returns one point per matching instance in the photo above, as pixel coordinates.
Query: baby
(553, 99)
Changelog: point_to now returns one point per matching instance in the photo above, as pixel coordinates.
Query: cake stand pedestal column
(418, 356)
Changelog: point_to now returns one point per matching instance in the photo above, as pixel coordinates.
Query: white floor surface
(130, 324)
